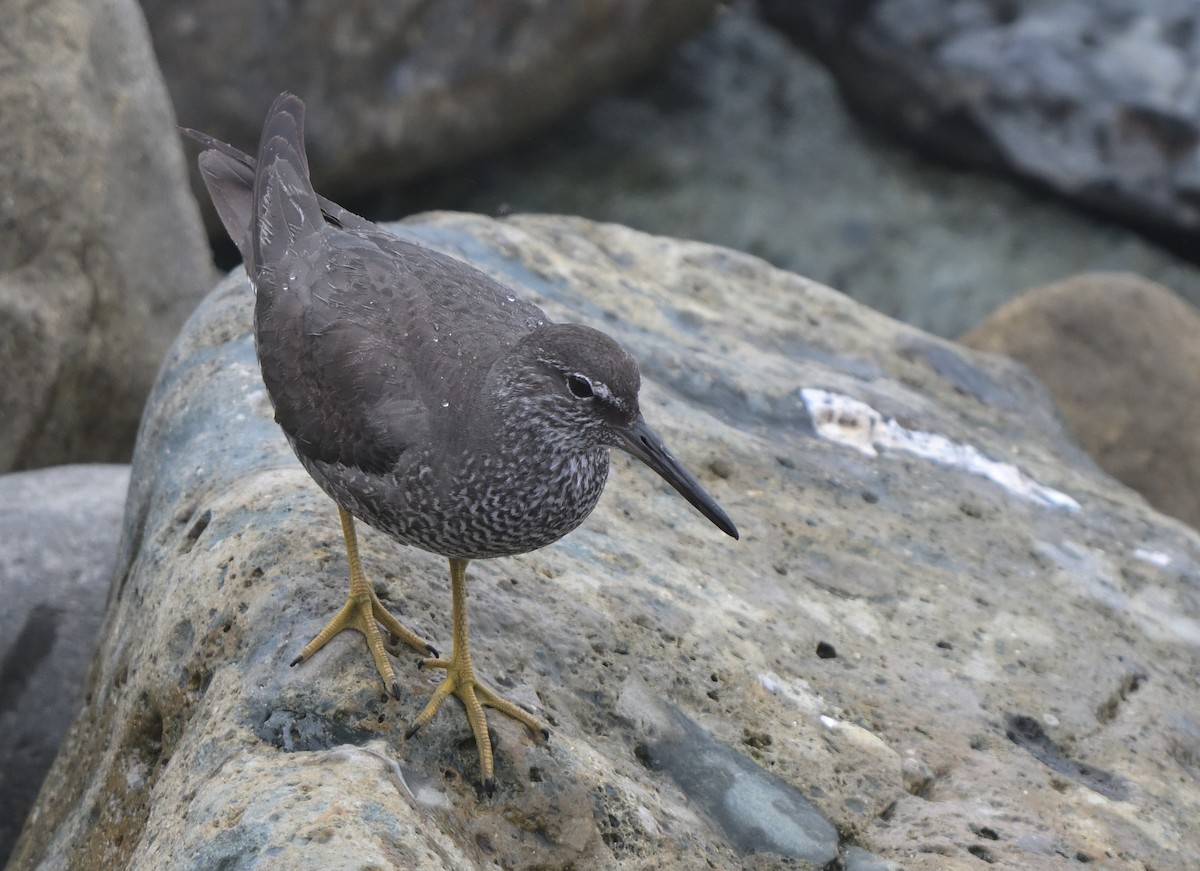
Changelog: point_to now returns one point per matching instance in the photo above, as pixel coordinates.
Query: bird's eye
(579, 386)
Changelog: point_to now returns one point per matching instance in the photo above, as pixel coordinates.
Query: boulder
(740, 139)
(102, 253)
(1096, 101)
(1119, 355)
(396, 89)
(945, 637)
(59, 530)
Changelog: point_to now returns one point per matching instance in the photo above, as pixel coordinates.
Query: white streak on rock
(847, 421)
(1154, 557)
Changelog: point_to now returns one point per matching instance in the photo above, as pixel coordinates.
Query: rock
(756, 811)
(858, 859)
(930, 569)
(102, 254)
(396, 89)
(59, 530)
(1119, 355)
(1096, 101)
(740, 139)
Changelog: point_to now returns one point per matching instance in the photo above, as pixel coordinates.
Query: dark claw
(412, 730)
(420, 665)
(396, 690)
(296, 661)
(545, 734)
(489, 786)
(433, 651)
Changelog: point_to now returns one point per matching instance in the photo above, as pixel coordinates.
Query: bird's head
(581, 388)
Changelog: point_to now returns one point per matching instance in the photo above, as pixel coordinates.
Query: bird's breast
(477, 505)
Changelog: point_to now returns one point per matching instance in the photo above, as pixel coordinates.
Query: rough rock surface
(59, 530)
(945, 631)
(740, 139)
(102, 254)
(1098, 101)
(1120, 356)
(394, 89)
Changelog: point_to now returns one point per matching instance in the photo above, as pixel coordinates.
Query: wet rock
(59, 530)
(1119, 355)
(994, 579)
(757, 811)
(1096, 101)
(741, 139)
(858, 859)
(396, 89)
(102, 254)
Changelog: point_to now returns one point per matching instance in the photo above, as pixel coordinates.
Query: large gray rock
(102, 254)
(741, 139)
(395, 89)
(1096, 100)
(59, 530)
(944, 631)
(1120, 356)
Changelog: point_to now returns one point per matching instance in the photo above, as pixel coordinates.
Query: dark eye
(579, 386)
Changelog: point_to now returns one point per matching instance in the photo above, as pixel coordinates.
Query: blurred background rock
(933, 159)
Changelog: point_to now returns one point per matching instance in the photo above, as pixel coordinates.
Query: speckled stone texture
(967, 646)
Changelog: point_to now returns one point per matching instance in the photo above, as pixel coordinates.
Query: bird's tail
(263, 207)
(229, 176)
(228, 173)
(285, 206)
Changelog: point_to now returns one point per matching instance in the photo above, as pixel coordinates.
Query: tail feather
(286, 207)
(229, 174)
(230, 184)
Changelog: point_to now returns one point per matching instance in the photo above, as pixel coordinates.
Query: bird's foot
(364, 612)
(475, 695)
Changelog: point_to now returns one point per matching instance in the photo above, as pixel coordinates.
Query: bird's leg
(461, 681)
(363, 611)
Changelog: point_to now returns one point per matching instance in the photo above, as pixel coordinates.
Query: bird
(426, 398)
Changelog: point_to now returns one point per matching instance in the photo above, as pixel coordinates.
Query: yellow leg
(460, 680)
(363, 611)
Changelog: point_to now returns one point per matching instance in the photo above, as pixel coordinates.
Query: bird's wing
(318, 344)
(365, 340)
(339, 389)
(230, 181)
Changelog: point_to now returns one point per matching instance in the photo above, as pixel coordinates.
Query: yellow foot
(475, 695)
(363, 611)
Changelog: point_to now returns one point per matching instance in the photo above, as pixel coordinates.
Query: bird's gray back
(368, 345)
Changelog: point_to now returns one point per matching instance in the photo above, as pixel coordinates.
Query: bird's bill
(642, 442)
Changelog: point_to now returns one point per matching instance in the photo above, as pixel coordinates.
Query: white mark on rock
(373, 752)
(647, 821)
(848, 421)
(1163, 617)
(1089, 569)
(797, 693)
(1154, 557)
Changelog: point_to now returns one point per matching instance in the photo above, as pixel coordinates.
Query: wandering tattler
(427, 399)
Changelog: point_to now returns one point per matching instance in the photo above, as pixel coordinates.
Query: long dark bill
(644, 443)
